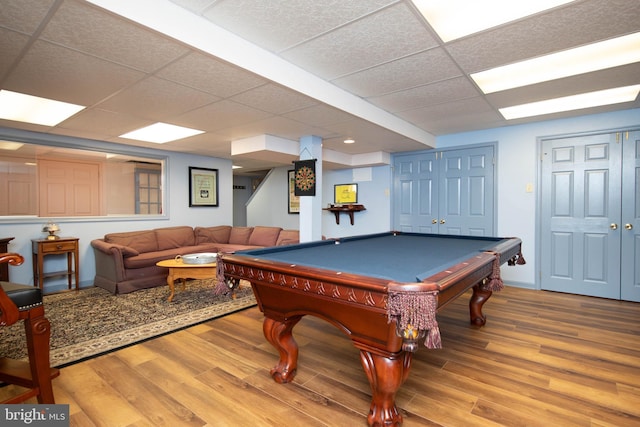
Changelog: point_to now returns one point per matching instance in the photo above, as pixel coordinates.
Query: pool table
(382, 290)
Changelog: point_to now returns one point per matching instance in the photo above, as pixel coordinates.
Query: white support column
(311, 206)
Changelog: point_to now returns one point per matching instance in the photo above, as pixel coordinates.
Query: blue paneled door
(589, 215)
(630, 221)
(445, 192)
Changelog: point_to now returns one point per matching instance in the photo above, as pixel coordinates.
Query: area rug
(93, 321)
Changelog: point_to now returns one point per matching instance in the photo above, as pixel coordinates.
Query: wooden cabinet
(62, 246)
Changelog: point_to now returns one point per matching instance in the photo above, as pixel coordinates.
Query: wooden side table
(4, 267)
(62, 245)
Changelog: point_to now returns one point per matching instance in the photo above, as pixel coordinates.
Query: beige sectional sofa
(126, 261)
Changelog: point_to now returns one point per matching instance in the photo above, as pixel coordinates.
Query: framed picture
(345, 193)
(294, 201)
(203, 187)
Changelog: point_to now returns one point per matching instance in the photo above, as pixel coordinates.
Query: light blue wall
(86, 230)
(269, 204)
(374, 194)
(518, 165)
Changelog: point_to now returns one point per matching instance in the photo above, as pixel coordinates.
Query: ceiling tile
(24, 15)
(11, 46)
(409, 72)
(566, 27)
(279, 24)
(423, 96)
(384, 36)
(220, 115)
(103, 122)
(80, 26)
(54, 72)
(275, 125)
(274, 99)
(157, 99)
(472, 112)
(320, 114)
(210, 75)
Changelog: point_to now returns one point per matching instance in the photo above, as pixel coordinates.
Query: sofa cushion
(141, 241)
(264, 236)
(240, 235)
(149, 259)
(217, 234)
(288, 237)
(174, 237)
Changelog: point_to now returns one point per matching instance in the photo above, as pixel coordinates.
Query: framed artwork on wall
(294, 201)
(203, 187)
(345, 193)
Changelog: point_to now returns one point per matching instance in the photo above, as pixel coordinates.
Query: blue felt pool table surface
(404, 257)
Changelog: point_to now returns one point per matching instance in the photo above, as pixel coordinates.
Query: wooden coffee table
(178, 270)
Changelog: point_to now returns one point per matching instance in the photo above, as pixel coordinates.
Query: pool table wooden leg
(386, 374)
(278, 333)
(479, 297)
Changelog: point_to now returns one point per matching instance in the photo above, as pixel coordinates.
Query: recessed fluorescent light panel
(597, 56)
(453, 19)
(32, 109)
(161, 133)
(10, 145)
(573, 102)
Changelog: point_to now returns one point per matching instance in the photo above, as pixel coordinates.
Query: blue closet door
(630, 221)
(580, 215)
(445, 192)
(415, 192)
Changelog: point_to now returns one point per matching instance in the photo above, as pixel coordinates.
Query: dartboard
(305, 178)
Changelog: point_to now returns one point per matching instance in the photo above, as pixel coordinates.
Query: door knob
(628, 226)
(442, 221)
(434, 221)
(613, 226)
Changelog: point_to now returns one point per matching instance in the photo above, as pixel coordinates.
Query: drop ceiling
(372, 70)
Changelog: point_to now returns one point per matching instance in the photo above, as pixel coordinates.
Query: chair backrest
(8, 311)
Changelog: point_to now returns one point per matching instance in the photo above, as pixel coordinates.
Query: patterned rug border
(89, 349)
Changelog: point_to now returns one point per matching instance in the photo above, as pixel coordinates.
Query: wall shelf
(349, 209)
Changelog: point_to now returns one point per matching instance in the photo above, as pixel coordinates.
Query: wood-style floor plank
(543, 359)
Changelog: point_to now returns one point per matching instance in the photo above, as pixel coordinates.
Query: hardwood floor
(543, 359)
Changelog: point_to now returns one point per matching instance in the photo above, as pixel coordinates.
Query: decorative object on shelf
(305, 175)
(345, 193)
(51, 228)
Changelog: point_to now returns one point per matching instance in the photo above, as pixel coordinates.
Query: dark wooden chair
(21, 302)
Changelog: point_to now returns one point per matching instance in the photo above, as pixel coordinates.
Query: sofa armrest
(110, 259)
(108, 248)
